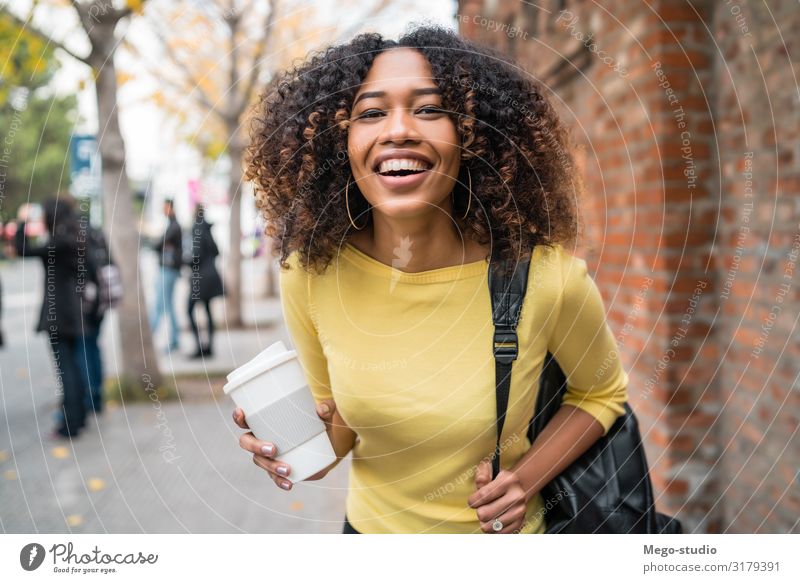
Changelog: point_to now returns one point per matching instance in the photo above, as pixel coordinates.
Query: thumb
(325, 409)
(484, 474)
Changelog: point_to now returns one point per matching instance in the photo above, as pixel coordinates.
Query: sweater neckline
(441, 274)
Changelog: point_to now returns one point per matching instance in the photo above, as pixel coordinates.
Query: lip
(399, 154)
(403, 182)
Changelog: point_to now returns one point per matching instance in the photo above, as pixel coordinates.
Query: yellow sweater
(407, 357)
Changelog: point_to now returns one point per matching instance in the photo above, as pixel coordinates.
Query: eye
(370, 114)
(429, 109)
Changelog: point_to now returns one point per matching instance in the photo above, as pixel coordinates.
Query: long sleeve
(295, 293)
(585, 348)
(24, 246)
(60, 241)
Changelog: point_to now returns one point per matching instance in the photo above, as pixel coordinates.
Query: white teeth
(401, 164)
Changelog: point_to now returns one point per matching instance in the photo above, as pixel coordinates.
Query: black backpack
(607, 489)
(104, 290)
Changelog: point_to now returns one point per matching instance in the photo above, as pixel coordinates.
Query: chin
(406, 206)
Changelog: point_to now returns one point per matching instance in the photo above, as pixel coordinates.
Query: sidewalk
(148, 467)
(232, 347)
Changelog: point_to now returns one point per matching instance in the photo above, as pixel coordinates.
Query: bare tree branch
(257, 66)
(26, 24)
(150, 69)
(101, 11)
(79, 9)
(188, 74)
(350, 31)
(232, 20)
(248, 8)
(122, 12)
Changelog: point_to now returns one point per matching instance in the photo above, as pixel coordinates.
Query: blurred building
(688, 118)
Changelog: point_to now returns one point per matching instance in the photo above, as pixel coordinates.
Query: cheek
(357, 149)
(449, 146)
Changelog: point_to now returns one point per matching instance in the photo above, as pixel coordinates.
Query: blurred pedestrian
(206, 282)
(60, 314)
(5, 251)
(2, 339)
(101, 291)
(170, 250)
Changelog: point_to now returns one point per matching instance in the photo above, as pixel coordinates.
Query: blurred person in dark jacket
(205, 281)
(101, 289)
(170, 251)
(60, 314)
(2, 339)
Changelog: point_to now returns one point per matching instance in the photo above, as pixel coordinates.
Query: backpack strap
(508, 282)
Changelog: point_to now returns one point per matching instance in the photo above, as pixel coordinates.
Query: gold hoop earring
(469, 195)
(347, 205)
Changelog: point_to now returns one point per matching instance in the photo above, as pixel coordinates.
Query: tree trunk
(139, 362)
(271, 282)
(233, 268)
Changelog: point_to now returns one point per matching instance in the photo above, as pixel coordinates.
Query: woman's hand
(264, 452)
(502, 498)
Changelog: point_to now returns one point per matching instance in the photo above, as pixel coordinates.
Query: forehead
(398, 68)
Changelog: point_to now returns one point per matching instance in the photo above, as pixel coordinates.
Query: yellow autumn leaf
(135, 5)
(123, 77)
(158, 98)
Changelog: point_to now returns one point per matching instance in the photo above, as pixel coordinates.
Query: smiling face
(404, 148)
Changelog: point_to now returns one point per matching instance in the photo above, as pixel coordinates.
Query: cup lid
(270, 357)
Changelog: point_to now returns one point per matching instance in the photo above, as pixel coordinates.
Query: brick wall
(686, 119)
(758, 118)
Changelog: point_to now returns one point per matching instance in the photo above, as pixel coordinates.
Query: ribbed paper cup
(278, 406)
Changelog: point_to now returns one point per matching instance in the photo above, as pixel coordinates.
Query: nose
(399, 126)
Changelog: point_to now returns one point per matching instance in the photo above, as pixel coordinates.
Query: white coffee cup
(278, 406)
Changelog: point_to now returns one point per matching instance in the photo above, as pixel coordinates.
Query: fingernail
(324, 409)
(286, 485)
(283, 470)
(268, 449)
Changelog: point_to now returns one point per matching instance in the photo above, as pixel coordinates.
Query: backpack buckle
(506, 345)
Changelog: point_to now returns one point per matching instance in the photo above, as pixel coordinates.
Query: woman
(389, 174)
(60, 315)
(205, 282)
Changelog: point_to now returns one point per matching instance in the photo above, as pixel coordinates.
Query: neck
(418, 244)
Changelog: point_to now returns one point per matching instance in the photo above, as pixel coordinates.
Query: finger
(511, 525)
(249, 442)
(278, 471)
(512, 520)
(325, 409)
(484, 474)
(488, 493)
(499, 508)
(512, 528)
(282, 483)
(238, 418)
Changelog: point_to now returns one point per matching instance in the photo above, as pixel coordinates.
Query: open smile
(402, 171)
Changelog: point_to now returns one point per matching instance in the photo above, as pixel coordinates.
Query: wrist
(528, 483)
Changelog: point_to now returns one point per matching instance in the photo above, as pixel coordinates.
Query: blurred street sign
(85, 172)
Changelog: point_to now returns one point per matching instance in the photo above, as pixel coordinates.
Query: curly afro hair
(512, 141)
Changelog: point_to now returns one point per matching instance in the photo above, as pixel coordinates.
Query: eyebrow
(415, 92)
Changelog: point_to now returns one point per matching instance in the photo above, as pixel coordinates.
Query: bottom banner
(118, 558)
